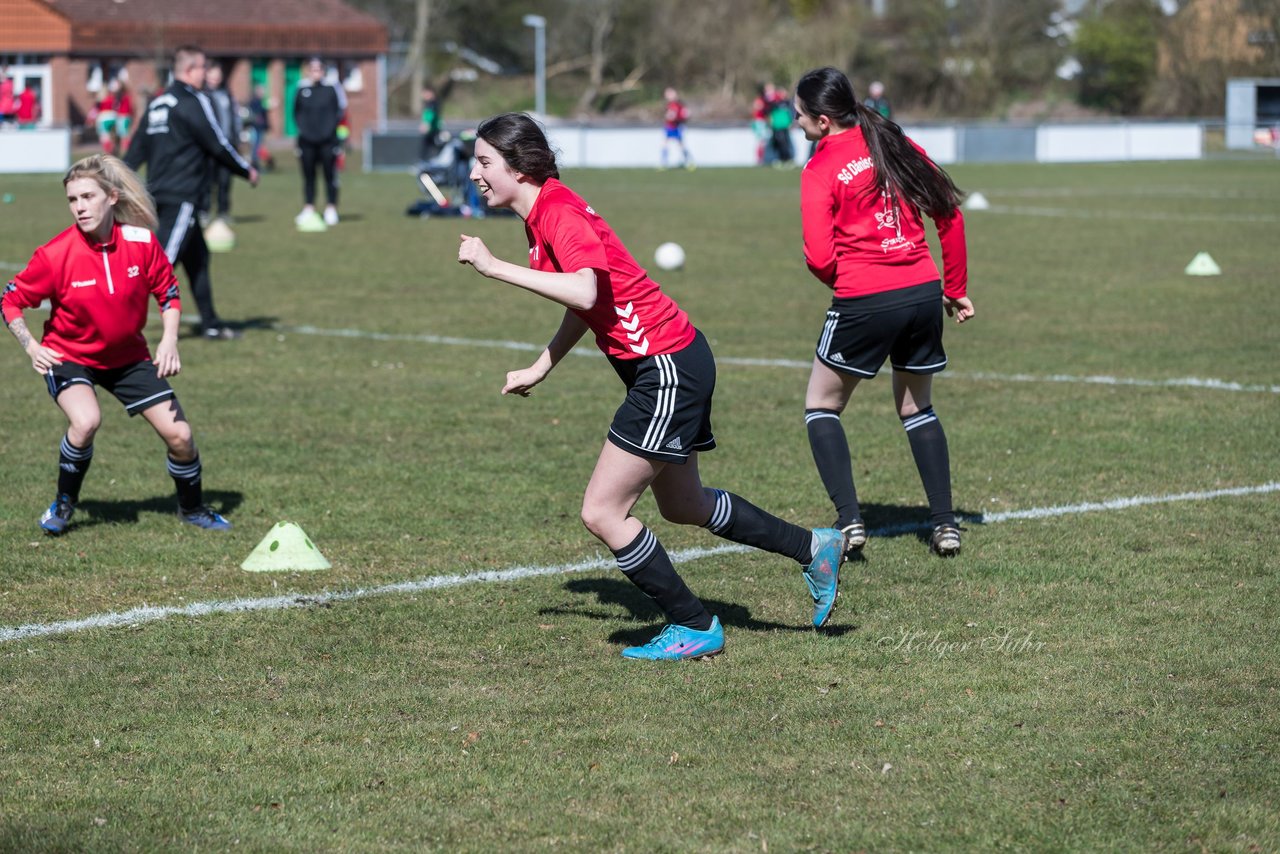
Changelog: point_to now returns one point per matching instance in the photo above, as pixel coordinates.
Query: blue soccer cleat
(204, 517)
(823, 573)
(676, 643)
(56, 519)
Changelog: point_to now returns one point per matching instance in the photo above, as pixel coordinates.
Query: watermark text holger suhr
(1003, 641)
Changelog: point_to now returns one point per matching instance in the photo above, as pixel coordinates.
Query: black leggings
(326, 154)
(180, 234)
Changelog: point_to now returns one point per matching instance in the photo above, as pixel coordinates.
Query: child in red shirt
(28, 108)
(674, 116)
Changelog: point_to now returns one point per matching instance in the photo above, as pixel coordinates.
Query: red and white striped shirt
(98, 293)
(859, 244)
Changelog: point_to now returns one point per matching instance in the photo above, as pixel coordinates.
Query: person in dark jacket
(176, 138)
(227, 112)
(318, 108)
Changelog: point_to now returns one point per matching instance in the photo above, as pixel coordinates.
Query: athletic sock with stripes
(73, 465)
(737, 519)
(645, 562)
(186, 478)
(929, 447)
(830, 449)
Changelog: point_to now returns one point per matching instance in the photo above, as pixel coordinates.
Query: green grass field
(1079, 679)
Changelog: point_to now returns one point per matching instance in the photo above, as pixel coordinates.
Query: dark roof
(222, 27)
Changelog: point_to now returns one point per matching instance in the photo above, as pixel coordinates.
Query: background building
(71, 49)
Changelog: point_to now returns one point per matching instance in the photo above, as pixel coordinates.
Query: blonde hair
(134, 205)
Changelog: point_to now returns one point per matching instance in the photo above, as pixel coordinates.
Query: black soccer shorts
(667, 412)
(903, 325)
(136, 386)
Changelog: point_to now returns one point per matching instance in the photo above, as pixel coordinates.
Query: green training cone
(285, 548)
(1203, 265)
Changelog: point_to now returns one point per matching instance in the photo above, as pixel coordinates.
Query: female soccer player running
(98, 276)
(576, 260)
(861, 199)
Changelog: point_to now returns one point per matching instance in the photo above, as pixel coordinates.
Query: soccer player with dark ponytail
(863, 196)
(99, 277)
(666, 365)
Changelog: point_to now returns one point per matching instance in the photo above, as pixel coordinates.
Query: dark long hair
(522, 143)
(902, 172)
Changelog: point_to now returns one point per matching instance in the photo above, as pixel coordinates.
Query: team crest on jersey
(886, 219)
(135, 234)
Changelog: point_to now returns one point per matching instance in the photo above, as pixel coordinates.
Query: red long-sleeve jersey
(98, 294)
(632, 317)
(859, 244)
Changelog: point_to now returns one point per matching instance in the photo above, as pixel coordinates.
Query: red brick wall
(362, 107)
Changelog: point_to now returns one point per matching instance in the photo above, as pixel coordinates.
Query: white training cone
(1203, 265)
(976, 202)
(285, 548)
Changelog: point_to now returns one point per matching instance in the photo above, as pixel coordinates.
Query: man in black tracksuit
(176, 139)
(318, 108)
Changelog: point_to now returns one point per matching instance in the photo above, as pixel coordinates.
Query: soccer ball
(669, 256)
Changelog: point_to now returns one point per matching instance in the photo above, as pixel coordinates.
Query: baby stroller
(445, 179)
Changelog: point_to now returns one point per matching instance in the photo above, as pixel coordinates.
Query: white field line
(1196, 193)
(1127, 214)
(454, 341)
(592, 352)
(151, 614)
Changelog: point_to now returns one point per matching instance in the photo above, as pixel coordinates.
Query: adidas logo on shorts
(674, 444)
(836, 357)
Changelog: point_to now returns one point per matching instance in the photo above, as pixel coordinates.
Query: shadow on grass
(899, 520)
(91, 512)
(617, 592)
(192, 331)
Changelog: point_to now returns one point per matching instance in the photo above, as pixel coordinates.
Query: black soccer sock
(186, 478)
(929, 447)
(737, 519)
(73, 465)
(830, 449)
(645, 562)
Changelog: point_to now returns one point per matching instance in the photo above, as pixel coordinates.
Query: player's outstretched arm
(571, 330)
(571, 290)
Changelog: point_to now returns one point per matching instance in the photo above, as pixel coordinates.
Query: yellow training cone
(1203, 265)
(285, 548)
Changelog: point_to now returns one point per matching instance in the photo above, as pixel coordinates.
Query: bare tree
(603, 21)
(414, 63)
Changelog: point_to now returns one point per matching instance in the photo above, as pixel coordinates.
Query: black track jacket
(176, 138)
(317, 110)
